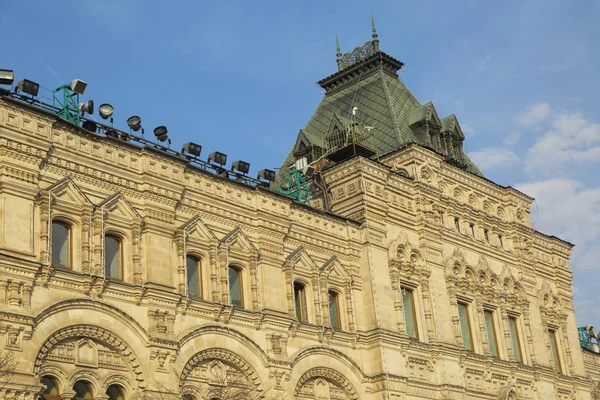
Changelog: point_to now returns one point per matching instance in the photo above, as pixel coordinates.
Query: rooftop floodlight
(29, 87)
(89, 125)
(134, 123)
(217, 158)
(241, 166)
(87, 107)
(192, 148)
(7, 77)
(112, 133)
(106, 111)
(78, 86)
(161, 133)
(266, 175)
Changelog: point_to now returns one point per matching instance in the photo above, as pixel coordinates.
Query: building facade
(126, 272)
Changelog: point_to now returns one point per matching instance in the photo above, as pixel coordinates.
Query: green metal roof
(382, 101)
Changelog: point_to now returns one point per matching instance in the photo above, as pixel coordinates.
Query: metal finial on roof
(375, 36)
(338, 54)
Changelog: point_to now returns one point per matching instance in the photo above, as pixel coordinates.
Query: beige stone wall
(394, 230)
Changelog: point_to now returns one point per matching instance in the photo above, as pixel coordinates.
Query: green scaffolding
(297, 186)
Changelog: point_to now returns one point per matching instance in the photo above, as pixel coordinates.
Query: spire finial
(338, 54)
(375, 36)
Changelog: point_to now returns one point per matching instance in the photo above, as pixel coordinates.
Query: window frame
(119, 238)
(494, 333)
(457, 223)
(336, 304)
(413, 310)
(89, 387)
(303, 318)
(555, 349)
(472, 229)
(467, 307)
(199, 268)
(515, 338)
(69, 226)
(119, 388)
(240, 271)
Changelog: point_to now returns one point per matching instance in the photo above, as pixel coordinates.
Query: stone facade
(408, 227)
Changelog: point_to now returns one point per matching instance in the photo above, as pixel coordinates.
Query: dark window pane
(491, 332)
(51, 389)
(60, 244)
(114, 393)
(82, 391)
(334, 310)
(300, 299)
(409, 313)
(465, 325)
(235, 287)
(112, 254)
(193, 276)
(514, 336)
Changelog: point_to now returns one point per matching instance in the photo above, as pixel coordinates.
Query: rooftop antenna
(375, 36)
(338, 54)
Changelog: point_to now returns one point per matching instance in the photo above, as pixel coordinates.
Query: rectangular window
(554, 349)
(457, 223)
(465, 325)
(300, 299)
(514, 337)
(500, 242)
(61, 244)
(486, 235)
(193, 276)
(490, 328)
(235, 287)
(410, 320)
(112, 257)
(472, 229)
(334, 311)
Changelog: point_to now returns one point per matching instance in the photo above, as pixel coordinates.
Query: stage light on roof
(89, 125)
(87, 107)
(106, 111)
(266, 175)
(7, 77)
(192, 148)
(241, 166)
(161, 133)
(134, 123)
(218, 158)
(78, 86)
(28, 87)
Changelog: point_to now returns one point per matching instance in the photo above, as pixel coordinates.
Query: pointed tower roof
(367, 87)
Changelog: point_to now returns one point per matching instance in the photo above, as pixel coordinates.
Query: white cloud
(570, 139)
(512, 139)
(534, 114)
(468, 130)
(482, 63)
(492, 157)
(568, 209)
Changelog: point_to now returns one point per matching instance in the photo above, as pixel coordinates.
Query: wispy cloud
(492, 158)
(533, 115)
(571, 139)
(482, 63)
(512, 139)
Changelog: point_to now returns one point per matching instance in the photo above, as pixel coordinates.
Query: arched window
(334, 310)
(61, 244)
(194, 276)
(300, 299)
(235, 287)
(82, 391)
(114, 392)
(51, 391)
(113, 257)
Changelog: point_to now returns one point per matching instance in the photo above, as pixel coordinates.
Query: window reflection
(235, 287)
(61, 244)
(113, 256)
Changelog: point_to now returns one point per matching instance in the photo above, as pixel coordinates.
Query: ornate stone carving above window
(481, 286)
(324, 383)
(408, 270)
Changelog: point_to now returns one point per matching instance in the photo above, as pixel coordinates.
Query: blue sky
(239, 77)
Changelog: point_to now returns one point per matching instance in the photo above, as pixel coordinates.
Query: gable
(335, 268)
(118, 206)
(66, 190)
(450, 124)
(237, 240)
(196, 229)
(300, 258)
